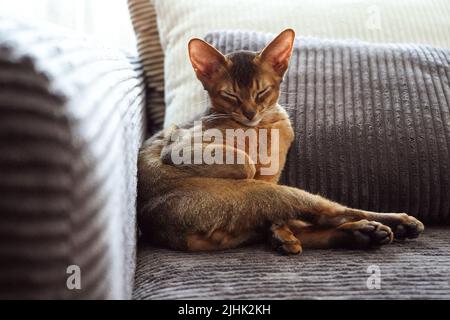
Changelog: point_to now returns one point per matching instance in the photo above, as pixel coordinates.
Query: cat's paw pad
(284, 241)
(408, 228)
(367, 234)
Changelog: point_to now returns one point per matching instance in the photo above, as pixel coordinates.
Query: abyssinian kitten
(199, 207)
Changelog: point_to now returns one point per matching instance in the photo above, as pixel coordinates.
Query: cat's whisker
(204, 102)
(213, 117)
(219, 115)
(285, 92)
(283, 103)
(290, 107)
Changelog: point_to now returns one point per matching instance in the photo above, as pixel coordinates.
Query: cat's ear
(278, 52)
(206, 60)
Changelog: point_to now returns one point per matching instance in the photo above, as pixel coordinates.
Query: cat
(205, 207)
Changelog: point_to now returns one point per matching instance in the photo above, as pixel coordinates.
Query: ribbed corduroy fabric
(400, 21)
(71, 123)
(415, 269)
(143, 18)
(372, 122)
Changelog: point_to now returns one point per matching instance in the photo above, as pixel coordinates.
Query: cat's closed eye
(229, 96)
(263, 93)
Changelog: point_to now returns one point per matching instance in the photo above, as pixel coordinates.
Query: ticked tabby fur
(199, 207)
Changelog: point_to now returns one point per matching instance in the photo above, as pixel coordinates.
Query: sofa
(73, 115)
(72, 121)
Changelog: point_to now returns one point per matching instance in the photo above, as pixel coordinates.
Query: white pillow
(417, 21)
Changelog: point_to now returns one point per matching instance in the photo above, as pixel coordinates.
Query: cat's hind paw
(283, 240)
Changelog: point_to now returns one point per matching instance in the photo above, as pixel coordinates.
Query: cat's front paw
(364, 234)
(408, 227)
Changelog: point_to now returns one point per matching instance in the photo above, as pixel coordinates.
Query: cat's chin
(248, 123)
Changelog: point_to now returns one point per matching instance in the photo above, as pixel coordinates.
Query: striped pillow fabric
(143, 18)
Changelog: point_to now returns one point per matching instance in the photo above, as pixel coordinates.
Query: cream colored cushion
(417, 21)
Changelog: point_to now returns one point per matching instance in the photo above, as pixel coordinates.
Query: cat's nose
(249, 114)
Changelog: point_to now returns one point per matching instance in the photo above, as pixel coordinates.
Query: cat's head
(243, 84)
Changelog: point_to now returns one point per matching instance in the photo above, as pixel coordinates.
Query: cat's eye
(260, 95)
(230, 96)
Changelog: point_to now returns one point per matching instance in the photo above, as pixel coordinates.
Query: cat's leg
(199, 206)
(361, 234)
(326, 213)
(403, 225)
(244, 169)
(219, 240)
(291, 236)
(283, 239)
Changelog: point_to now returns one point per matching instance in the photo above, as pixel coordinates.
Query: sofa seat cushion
(414, 269)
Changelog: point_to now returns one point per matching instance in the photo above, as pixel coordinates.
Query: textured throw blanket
(372, 122)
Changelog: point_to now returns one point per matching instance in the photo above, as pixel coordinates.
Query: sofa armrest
(71, 124)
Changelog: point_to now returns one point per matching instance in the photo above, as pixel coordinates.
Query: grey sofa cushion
(411, 270)
(372, 122)
(71, 124)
